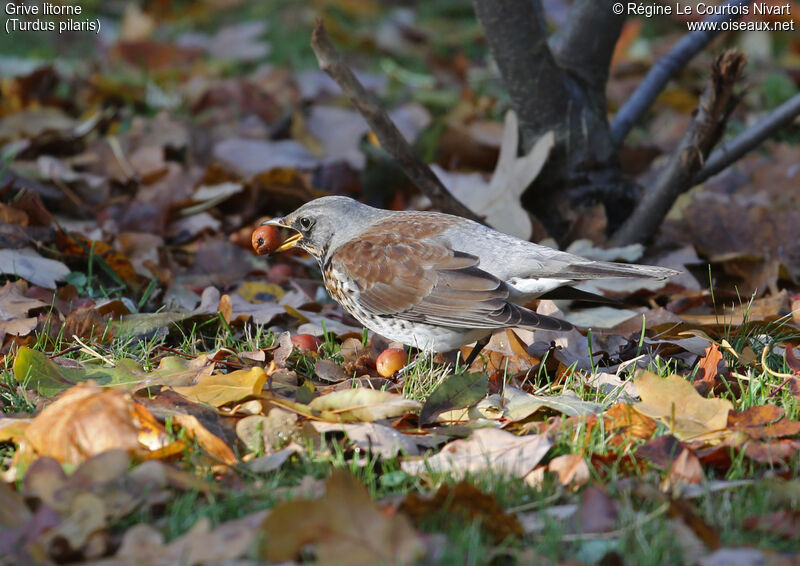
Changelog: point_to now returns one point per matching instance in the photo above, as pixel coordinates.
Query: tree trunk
(559, 85)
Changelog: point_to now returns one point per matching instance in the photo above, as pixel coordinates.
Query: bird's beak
(291, 241)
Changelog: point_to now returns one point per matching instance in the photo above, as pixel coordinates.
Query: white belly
(424, 336)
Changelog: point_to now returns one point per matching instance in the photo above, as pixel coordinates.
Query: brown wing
(424, 280)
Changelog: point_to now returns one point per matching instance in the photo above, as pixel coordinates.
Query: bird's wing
(424, 280)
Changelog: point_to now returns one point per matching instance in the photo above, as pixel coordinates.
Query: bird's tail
(598, 269)
(514, 316)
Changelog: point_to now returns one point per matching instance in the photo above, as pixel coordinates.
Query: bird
(432, 280)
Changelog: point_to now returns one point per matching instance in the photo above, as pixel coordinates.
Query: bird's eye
(305, 222)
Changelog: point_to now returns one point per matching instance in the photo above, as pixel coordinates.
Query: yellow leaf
(13, 429)
(211, 443)
(222, 388)
(362, 404)
(675, 402)
(260, 292)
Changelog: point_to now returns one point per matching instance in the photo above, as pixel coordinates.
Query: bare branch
(389, 136)
(703, 132)
(585, 43)
(751, 138)
(536, 85)
(666, 68)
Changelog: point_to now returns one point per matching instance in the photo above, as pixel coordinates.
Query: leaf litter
(148, 353)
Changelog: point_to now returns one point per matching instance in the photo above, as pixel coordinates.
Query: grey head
(326, 223)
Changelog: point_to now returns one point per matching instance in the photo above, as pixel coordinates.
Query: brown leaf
(571, 469)
(211, 443)
(344, 525)
(706, 378)
(779, 453)
(624, 419)
(763, 421)
(660, 451)
(686, 469)
(791, 360)
(86, 420)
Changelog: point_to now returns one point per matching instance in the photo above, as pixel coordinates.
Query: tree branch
(536, 85)
(664, 69)
(389, 136)
(703, 132)
(751, 138)
(585, 43)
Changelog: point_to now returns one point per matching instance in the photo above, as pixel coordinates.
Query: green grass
(642, 533)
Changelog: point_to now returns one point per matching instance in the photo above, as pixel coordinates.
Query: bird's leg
(479, 345)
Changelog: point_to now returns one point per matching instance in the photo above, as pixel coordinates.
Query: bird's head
(323, 224)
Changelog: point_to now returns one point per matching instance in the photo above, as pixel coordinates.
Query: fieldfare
(432, 280)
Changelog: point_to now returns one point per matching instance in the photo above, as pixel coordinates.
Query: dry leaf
(378, 439)
(345, 527)
(686, 469)
(486, 449)
(499, 200)
(362, 404)
(571, 469)
(676, 403)
(222, 388)
(86, 420)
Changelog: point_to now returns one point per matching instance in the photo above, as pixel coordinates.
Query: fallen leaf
(249, 157)
(26, 264)
(265, 433)
(44, 376)
(202, 544)
(742, 556)
(686, 469)
(362, 404)
(571, 469)
(520, 405)
(763, 422)
(211, 443)
(223, 388)
(272, 462)
(456, 392)
(499, 200)
(624, 419)
(84, 421)
(676, 403)
(344, 526)
(375, 438)
(706, 377)
(485, 449)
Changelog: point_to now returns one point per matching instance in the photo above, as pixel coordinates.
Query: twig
(705, 129)
(389, 136)
(751, 138)
(664, 69)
